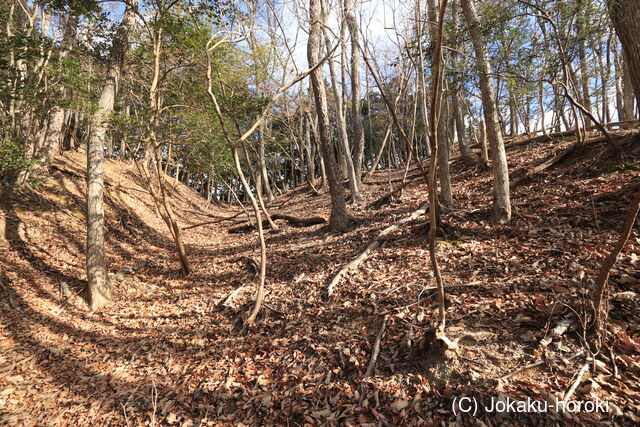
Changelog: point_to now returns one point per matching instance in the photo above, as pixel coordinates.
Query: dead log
(299, 221)
(374, 244)
(292, 220)
(544, 165)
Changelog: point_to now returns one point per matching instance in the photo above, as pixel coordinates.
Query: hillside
(169, 350)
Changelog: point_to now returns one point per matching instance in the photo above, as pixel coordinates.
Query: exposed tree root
(374, 244)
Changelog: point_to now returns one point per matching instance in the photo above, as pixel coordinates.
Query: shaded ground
(167, 352)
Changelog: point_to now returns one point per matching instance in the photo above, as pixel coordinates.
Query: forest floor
(169, 352)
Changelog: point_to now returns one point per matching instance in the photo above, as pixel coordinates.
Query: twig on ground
(376, 349)
(536, 364)
(579, 377)
(16, 364)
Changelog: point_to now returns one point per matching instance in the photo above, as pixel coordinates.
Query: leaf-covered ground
(168, 351)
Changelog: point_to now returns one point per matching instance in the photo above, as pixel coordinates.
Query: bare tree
(356, 119)
(456, 95)
(501, 197)
(352, 175)
(339, 219)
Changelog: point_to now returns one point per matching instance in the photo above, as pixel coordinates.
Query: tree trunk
(99, 290)
(422, 84)
(356, 118)
(467, 155)
(513, 116)
(339, 219)
(501, 200)
(348, 166)
(54, 137)
(541, 111)
(625, 15)
(444, 175)
(311, 165)
(628, 97)
(262, 164)
(618, 79)
(584, 70)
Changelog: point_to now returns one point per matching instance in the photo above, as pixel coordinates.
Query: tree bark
(456, 105)
(501, 197)
(625, 15)
(444, 175)
(628, 97)
(356, 118)
(339, 220)
(582, 54)
(348, 166)
(99, 290)
(262, 164)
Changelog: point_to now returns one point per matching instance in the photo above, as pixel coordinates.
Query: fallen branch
(536, 364)
(388, 196)
(544, 165)
(575, 384)
(462, 285)
(374, 244)
(376, 349)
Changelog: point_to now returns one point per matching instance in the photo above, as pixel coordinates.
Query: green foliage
(78, 7)
(12, 157)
